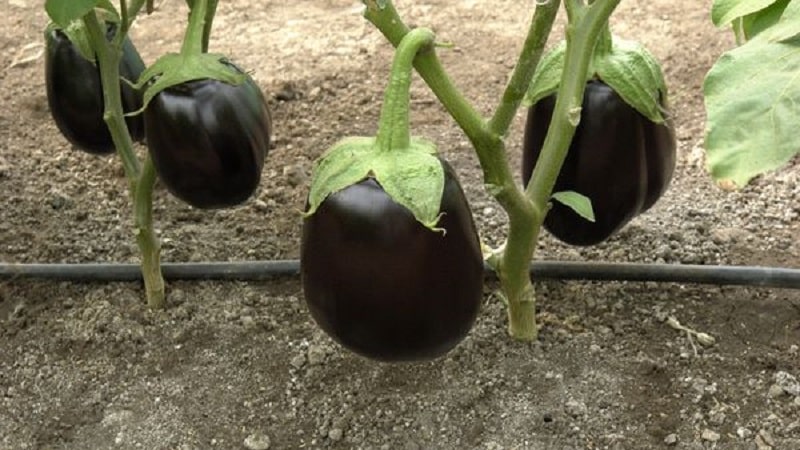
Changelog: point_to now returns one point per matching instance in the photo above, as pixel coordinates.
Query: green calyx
(406, 167)
(626, 66)
(77, 35)
(192, 63)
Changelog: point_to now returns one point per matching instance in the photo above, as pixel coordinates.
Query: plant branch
(573, 7)
(108, 59)
(209, 21)
(538, 33)
(132, 11)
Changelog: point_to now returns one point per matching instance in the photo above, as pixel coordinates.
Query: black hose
(540, 270)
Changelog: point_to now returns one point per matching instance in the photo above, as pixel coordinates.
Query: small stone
(248, 321)
(316, 355)
(788, 383)
(671, 439)
(298, 361)
(710, 435)
(261, 205)
(5, 168)
(744, 433)
(766, 436)
(575, 408)
(722, 236)
(295, 175)
(336, 434)
(59, 200)
(794, 349)
(775, 391)
(717, 418)
(287, 93)
(257, 441)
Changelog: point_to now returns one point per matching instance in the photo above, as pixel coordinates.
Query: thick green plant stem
(128, 13)
(195, 40)
(393, 131)
(149, 245)
(108, 59)
(532, 50)
(209, 21)
(140, 180)
(583, 31)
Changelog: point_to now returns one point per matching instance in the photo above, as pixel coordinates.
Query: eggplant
(619, 159)
(75, 92)
(384, 285)
(208, 140)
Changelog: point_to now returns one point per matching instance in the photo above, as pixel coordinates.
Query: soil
(242, 365)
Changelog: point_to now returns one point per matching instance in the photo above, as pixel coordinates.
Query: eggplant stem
(393, 128)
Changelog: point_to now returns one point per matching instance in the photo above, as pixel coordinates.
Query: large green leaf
(62, 12)
(723, 12)
(787, 27)
(752, 97)
(755, 23)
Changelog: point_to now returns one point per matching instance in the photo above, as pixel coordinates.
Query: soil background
(241, 365)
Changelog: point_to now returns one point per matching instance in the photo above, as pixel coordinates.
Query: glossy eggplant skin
(618, 158)
(75, 93)
(383, 285)
(208, 140)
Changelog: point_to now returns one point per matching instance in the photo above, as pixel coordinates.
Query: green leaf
(412, 177)
(176, 68)
(633, 73)
(547, 76)
(755, 23)
(62, 12)
(752, 97)
(577, 202)
(787, 26)
(723, 12)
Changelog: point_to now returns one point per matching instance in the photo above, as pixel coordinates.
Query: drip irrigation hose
(540, 270)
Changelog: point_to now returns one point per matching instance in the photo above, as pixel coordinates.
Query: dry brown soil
(236, 365)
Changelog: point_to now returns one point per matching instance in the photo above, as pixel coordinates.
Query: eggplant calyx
(414, 178)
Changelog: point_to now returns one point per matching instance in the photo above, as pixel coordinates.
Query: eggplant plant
(591, 163)
(204, 120)
(390, 260)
